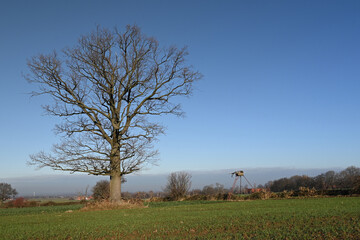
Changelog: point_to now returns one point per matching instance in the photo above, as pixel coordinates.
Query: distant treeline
(330, 183)
(346, 179)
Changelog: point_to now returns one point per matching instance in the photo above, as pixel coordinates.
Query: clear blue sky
(281, 84)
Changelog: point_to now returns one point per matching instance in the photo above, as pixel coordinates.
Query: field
(312, 218)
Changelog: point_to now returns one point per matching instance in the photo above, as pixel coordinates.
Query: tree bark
(115, 188)
(115, 174)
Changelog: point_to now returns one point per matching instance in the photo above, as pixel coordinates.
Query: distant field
(322, 218)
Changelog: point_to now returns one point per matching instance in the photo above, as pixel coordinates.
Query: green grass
(323, 218)
(17, 212)
(56, 200)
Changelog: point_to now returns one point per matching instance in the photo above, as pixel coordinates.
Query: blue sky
(280, 89)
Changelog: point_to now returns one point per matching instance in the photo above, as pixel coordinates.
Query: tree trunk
(115, 188)
(115, 176)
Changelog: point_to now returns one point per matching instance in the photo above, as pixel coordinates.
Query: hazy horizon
(72, 184)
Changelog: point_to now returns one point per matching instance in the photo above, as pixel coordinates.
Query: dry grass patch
(107, 205)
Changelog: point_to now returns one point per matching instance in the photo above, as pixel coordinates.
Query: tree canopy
(108, 89)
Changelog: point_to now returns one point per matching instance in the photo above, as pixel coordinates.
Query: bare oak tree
(108, 89)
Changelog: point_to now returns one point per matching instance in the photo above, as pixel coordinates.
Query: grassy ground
(323, 218)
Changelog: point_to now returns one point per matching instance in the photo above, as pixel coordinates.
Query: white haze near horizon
(73, 184)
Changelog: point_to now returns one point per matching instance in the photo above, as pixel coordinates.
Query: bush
(155, 199)
(222, 196)
(261, 195)
(306, 192)
(19, 202)
(197, 197)
(230, 196)
(101, 191)
(284, 194)
(257, 195)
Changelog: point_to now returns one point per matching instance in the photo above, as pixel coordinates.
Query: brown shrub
(263, 194)
(155, 199)
(284, 194)
(306, 192)
(19, 202)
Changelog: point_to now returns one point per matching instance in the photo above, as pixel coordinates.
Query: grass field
(313, 218)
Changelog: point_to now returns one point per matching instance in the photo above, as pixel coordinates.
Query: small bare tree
(108, 90)
(178, 185)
